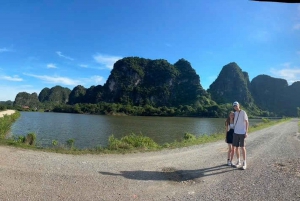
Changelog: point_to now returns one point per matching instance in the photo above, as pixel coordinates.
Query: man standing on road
(241, 125)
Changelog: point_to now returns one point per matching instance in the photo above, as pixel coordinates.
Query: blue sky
(76, 42)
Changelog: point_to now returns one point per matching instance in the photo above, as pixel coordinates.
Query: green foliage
(232, 84)
(77, 95)
(54, 143)
(55, 95)
(189, 136)
(265, 120)
(24, 99)
(138, 81)
(30, 139)
(269, 93)
(138, 86)
(131, 141)
(19, 139)
(2, 107)
(70, 143)
(5, 123)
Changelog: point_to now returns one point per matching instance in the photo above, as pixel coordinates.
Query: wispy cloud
(56, 79)
(106, 60)
(9, 92)
(63, 56)
(290, 74)
(296, 26)
(298, 52)
(51, 65)
(83, 65)
(15, 78)
(4, 50)
(94, 80)
(97, 79)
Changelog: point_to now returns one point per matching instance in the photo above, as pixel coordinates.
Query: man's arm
(247, 126)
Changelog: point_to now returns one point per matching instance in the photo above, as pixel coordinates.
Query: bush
(265, 120)
(54, 143)
(131, 141)
(30, 139)
(189, 136)
(70, 143)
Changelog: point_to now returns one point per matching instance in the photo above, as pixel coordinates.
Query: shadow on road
(171, 174)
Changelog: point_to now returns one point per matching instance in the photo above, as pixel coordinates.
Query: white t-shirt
(230, 126)
(239, 120)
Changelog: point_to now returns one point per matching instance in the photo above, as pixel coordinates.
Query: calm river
(90, 131)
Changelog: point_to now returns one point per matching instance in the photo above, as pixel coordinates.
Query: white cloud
(56, 79)
(97, 80)
(4, 50)
(289, 74)
(10, 92)
(286, 65)
(63, 56)
(296, 26)
(107, 60)
(51, 65)
(15, 78)
(83, 65)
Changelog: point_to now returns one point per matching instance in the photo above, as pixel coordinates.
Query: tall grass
(5, 123)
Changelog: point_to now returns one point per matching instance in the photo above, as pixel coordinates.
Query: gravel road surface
(192, 173)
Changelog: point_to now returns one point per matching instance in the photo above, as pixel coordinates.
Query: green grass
(131, 143)
(5, 123)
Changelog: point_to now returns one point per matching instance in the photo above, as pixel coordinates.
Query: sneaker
(229, 163)
(237, 164)
(244, 166)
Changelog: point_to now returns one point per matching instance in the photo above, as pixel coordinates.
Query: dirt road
(8, 112)
(193, 173)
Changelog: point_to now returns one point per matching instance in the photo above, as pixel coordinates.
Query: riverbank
(6, 112)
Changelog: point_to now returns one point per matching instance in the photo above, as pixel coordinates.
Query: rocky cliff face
(24, 99)
(292, 99)
(269, 93)
(141, 81)
(77, 95)
(231, 85)
(274, 94)
(56, 95)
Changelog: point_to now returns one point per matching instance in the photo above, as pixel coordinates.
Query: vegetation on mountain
(269, 93)
(231, 84)
(138, 81)
(138, 86)
(24, 99)
(56, 95)
(77, 95)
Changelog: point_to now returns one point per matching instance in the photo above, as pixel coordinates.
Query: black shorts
(238, 140)
(229, 137)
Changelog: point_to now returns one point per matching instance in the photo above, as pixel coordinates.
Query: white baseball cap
(235, 103)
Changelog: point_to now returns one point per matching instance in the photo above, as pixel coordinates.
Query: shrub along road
(191, 173)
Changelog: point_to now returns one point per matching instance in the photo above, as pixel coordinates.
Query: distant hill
(144, 82)
(56, 95)
(231, 84)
